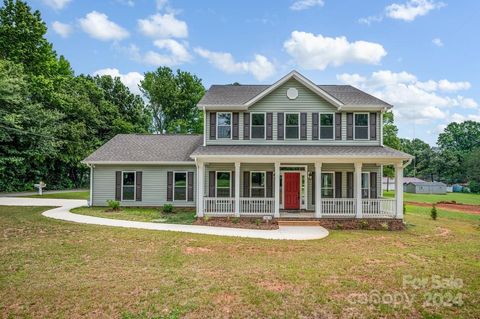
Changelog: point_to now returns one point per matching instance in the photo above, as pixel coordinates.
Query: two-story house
(288, 149)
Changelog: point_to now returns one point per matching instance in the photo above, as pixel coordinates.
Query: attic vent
(292, 93)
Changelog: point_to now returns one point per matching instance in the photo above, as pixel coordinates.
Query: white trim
(369, 186)
(186, 186)
(301, 173)
(264, 126)
(285, 126)
(231, 126)
(333, 183)
(204, 127)
(230, 183)
(368, 127)
(134, 187)
(320, 126)
(264, 182)
(381, 128)
(139, 163)
(91, 186)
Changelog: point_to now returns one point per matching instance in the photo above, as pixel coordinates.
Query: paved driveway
(63, 213)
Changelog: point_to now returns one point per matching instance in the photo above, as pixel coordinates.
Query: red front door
(292, 190)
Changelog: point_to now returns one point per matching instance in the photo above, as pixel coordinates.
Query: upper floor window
(258, 125)
(327, 185)
(292, 126)
(361, 126)
(223, 184)
(326, 126)
(365, 184)
(128, 185)
(180, 186)
(257, 181)
(224, 125)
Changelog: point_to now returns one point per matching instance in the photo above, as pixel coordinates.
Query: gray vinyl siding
(308, 102)
(154, 184)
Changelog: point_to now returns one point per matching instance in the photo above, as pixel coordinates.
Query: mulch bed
(367, 224)
(452, 206)
(250, 223)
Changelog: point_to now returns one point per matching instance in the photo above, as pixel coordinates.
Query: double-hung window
(361, 126)
(326, 126)
(365, 184)
(292, 126)
(180, 186)
(258, 125)
(327, 185)
(257, 184)
(223, 183)
(128, 185)
(224, 125)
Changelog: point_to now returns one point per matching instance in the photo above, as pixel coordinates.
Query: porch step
(298, 223)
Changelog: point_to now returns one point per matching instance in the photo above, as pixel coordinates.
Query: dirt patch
(451, 206)
(196, 250)
(275, 286)
(251, 223)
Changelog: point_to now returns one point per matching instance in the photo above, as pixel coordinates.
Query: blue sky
(420, 55)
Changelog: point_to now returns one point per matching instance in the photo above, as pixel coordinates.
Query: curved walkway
(63, 213)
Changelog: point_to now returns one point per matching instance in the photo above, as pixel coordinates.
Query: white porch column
(358, 190)
(318, 190)
(276, 213)
(200, 186)
(399, 190)
(237, 189)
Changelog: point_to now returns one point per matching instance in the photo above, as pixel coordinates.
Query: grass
(66, 195)
(139, 214)
(51, 268)
(464, 198)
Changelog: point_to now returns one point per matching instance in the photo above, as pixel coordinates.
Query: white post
(90, 202)
(358, 189)
(318, 190)
(276, 213)
(200, 186)
(237, 189)
(399, 190)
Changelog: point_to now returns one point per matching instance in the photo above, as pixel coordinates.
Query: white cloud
(63, 29)
(317, 52)
(163, 26)
(174, 53)
(411, 9)
(99, 27)
(462, 118)
(261, 68)
(306, 4)
(56, 4)
(438, 42)
(370, 19)
(131, 79)
(161, 4)
(446, 85)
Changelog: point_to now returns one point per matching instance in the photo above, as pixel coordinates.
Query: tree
(472, 167)
(173, 99)
(390, 139)
(423, 156)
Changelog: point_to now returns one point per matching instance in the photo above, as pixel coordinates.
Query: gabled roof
(145, 148)
(240, 97)
(427, 183)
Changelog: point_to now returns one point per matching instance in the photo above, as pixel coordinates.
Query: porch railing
(219, 206)
(257, 206)
(338, 207)
(378, 208)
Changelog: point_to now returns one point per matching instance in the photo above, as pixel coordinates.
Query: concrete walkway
(63, 213)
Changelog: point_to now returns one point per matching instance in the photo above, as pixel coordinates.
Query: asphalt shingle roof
(147, 148)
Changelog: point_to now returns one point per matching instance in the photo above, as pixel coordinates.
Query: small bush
(433, 212)
(364, 224)
(235, 220)
(167, 208)
(339, 226)
(404, 209)
(206, 218)
(258, 221)
(113, 204)
(384, 226)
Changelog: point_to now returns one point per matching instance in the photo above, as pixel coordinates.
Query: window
(258, 125)
(257, 182)
(128, 186)
(180, 186)
(361, 126)
(223, 184)
(327, 185)
(291, 125)
(224, 125)
(326, 126)
(365, 185)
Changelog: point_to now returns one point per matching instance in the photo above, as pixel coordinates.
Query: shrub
(258, 221)
(339, 226)
(474, 186)
(404, 209)
(235, 220)
(363, 224)
(384, 226)
(433, 212)
(113, 204)
(167, 208)
(206, 218)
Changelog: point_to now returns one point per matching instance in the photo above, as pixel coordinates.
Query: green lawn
(139, 214)
(66, 195)
(464, 198)
(51, 268)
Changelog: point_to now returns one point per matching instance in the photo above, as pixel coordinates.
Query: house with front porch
(287, 150)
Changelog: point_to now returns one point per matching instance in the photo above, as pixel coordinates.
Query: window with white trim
(128, 185)
(361, 126)
(224, 125)
(258, 125)
(292, 125)
(326, 126)
(257, 184)
(180, 186)
(365, 184)
(327, 185)
(223, 184)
